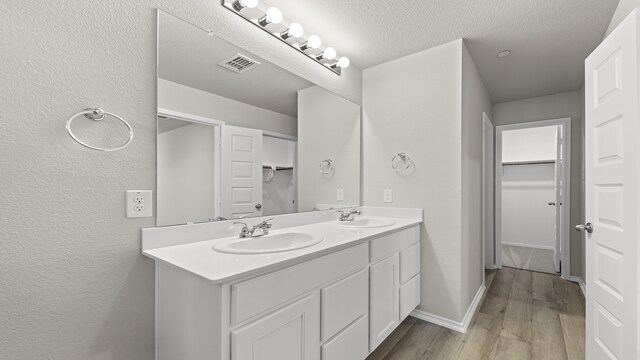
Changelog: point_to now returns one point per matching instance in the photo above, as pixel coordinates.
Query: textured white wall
(475, 101)
(328, 127)
(178, 97)
(556, 106)
(75, 286)
(413, 105)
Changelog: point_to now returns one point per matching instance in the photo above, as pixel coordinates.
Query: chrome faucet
(263, 226)
(344, 216)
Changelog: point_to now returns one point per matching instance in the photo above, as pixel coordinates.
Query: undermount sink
(367, 223)
(266, 244)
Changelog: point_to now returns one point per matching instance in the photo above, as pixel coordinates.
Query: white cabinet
(291, 333)
(383, 297)
(338, 306)
(394, 289)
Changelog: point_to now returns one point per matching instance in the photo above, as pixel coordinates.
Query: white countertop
(200, 259)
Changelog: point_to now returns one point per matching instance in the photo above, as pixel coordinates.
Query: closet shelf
(278, 168)
(533, 162)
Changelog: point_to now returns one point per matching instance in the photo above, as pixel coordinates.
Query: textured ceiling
(187, 55)
(549, 39)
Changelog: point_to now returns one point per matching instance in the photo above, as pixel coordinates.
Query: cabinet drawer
(344, 302)
(395, 242)
(409, 263)
(409, 296)
(351, 344)
(252, 297)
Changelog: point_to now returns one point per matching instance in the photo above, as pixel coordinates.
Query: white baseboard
(580, 281)
(530, 246)
(458, 326)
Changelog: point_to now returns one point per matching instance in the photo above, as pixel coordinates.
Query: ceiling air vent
(239, 63)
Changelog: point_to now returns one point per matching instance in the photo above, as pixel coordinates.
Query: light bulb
(249, 3)
(343, 62)
(328, 54)
(313, 42)
(274, 15)
(296, 30)
(238, 5)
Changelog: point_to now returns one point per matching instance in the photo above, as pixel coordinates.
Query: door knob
(258, 206)
(588, 227)
(552, 204)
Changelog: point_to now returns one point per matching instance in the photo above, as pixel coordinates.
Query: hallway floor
(525, 315)
(527, 258)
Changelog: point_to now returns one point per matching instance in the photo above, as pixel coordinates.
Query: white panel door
(559, 202)
(612, 195)
(384, 313)
(292, 333)
(241, 172)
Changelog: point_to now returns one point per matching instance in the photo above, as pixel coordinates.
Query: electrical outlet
(388, 195)
(139, 203)
(340, 195)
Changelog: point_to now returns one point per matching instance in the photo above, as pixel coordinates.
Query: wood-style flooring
(524, 315)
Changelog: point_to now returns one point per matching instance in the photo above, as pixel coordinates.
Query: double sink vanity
(302, 271)
(313, 287)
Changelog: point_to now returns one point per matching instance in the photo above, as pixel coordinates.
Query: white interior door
(559, 197)
(612, 195)
(241, 172)
(487, 194)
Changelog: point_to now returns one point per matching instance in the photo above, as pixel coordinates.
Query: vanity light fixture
(271, 20)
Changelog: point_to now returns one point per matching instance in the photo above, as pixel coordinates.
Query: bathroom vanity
(335, 299)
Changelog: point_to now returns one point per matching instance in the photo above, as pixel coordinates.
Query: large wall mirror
(241, 137)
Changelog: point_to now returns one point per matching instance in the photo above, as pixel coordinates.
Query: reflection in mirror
(239, 136)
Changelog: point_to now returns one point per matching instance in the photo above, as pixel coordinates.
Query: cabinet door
(291, 333)
(384, 308)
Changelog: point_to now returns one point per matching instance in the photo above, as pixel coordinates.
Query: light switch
(388, 195)
(139, 203)
(340, 195)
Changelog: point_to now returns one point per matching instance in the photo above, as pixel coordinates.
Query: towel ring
(97, 114)
(405, 158)
(326, 166)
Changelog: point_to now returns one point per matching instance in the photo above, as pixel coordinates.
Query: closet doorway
(532, 195)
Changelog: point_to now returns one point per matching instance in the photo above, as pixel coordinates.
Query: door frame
(488, 224)
(565, 240)
(217, 137)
